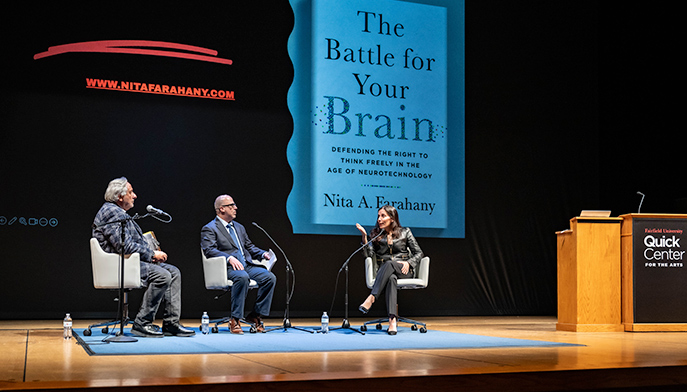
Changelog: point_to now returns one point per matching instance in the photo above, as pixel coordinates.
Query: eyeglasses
(233, 205)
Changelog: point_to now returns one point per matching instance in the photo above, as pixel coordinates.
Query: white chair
(215, 274)
(419, 281)
(107, 275)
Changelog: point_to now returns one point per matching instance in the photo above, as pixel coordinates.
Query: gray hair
(115, 189)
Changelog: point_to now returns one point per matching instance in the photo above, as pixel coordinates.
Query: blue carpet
(298, 341)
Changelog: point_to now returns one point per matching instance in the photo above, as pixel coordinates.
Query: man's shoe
(177, 329)
(146, 331)
(235, 326)
(257, 322)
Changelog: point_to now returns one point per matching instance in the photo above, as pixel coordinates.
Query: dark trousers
(386, 279)
(239, 290)
(164, 284)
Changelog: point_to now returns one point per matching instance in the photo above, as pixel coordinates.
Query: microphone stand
(289, 268)
(345, 324)
(122, 307)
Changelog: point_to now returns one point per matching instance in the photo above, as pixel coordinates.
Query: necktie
(235, 237)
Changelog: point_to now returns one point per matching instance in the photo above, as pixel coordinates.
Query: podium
(589, 275)
(654, 272)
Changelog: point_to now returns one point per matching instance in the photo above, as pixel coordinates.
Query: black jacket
(404, 248)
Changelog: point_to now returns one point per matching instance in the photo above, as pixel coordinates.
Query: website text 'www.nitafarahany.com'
(154, 88)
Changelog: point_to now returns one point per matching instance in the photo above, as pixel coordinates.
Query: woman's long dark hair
(395, 223)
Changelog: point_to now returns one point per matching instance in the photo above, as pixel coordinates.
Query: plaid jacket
(110, 236)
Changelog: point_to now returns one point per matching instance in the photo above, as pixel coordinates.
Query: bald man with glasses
(225, 237)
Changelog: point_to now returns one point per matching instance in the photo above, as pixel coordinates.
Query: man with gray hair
(163, 280)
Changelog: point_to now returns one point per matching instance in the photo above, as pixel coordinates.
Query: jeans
(164, 284)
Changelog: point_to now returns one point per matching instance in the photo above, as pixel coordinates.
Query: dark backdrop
(556, 121)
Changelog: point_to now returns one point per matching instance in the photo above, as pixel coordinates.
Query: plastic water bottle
(67, 325)
(205, 323)
(325, 323)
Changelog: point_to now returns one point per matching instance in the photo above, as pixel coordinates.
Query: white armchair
(215, 274)
(420, 281)
(107, 275)
(106, 269)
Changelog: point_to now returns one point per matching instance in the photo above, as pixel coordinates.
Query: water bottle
(325, 323)
(67, 325)
(205, 323)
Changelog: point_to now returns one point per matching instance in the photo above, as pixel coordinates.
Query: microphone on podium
(640, 202)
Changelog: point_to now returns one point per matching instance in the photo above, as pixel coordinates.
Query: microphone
(359, 249)
(273, 241)
(344, 266)
(640, 202)
(157, 211)
(289, 267)
(289, 291)
(288, 264)
(154, 210)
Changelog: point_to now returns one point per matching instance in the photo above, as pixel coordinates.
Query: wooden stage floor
(35, 357)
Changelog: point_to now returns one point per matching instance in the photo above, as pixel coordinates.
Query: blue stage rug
(294, 340)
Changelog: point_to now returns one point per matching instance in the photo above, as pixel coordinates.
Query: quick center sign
(663, 250)
(659, 276)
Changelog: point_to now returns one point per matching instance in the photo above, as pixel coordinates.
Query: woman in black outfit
(397, 255)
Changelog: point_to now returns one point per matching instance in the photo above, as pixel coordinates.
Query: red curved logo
(142, 47)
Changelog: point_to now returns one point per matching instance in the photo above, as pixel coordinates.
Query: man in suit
(225, 237)
(163, 279)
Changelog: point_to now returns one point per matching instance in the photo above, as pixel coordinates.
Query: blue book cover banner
(372, 117)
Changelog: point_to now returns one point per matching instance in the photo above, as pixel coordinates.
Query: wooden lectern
(589, 271)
